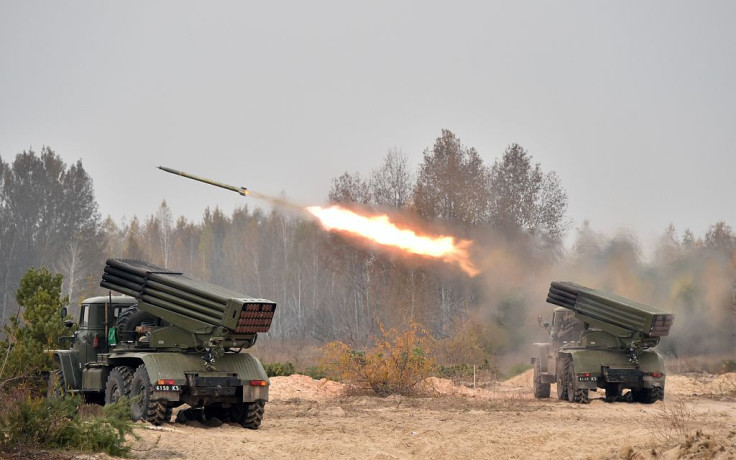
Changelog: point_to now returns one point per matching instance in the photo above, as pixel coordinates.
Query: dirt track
(310, 419)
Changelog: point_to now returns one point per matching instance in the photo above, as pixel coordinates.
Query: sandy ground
(315, 419)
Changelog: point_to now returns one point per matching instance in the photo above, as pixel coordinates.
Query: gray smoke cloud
(693, 282)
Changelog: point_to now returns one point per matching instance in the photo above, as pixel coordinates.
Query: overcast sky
(632, 103)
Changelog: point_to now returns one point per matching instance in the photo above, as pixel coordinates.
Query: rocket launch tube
(181, 310)
(215, 315)
(186, 296)
(175, 280)
(116, 288)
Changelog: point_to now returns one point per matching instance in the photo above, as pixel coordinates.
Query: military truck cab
(80, 365)
(565, 328)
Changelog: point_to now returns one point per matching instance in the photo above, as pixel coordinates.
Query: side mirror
(542, 323)
(64, 312)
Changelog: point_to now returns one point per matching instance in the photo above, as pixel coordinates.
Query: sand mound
(304, 387)
(523, 380)
(693, 384)
(445, 387)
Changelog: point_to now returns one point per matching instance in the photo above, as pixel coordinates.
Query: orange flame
(381, 230)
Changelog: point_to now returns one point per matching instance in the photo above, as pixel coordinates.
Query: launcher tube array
(611, 309)
(172, 291)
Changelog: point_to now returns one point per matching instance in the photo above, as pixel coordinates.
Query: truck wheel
(249, 415)
(57, 387)
(118, 384)
(574, 394)
(561, 379)
(649, 395)
(143, 407)
(541, 389)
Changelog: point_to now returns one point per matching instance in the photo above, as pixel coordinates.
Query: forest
(332, 286)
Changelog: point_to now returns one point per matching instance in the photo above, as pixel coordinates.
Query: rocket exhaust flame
(378, 229)
(381, 230)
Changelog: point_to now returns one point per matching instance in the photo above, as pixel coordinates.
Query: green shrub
(28, 338)
(279, 369)
(456, 371)
(728, 365)
(29, 421)
(316, 372)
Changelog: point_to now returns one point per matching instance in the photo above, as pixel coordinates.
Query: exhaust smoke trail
(378, 229)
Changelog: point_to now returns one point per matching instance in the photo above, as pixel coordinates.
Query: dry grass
(674, 421)
(726, 388)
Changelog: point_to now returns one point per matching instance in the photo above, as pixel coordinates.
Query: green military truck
(167, 341)
(600, 340)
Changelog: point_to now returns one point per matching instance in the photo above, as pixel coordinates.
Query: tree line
(334, 287)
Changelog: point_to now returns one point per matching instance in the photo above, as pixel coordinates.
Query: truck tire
(656, 394)
(648, 395)
(249, 415)
(128, 319)
(561, 378)
(574, 393)
(541, 389)
(143, 407)
(118, 384)
(57, 387)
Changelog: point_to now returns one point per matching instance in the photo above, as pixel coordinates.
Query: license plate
(167, 388)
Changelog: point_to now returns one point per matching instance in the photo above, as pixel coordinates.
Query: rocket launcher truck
(167, 341)
(600, 340)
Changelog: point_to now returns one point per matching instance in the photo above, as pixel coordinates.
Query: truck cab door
(79, 347)
(96, 338)
(89, 339)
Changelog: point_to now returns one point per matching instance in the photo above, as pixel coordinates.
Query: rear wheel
(541, 389)
(57, 386)
(575, 394)
(118, 384)
(648, 395)
(249, 415)
(561, 379)
(142, 406)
